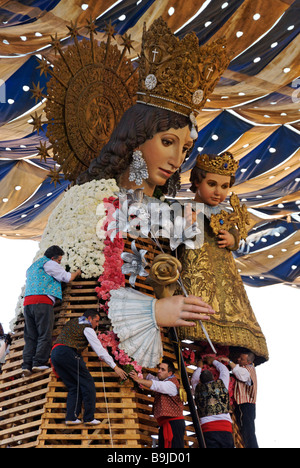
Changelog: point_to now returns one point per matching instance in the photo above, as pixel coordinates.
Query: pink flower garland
(110, 340)
(111, 279)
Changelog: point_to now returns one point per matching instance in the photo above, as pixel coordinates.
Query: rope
(107, 409)
(78, 388)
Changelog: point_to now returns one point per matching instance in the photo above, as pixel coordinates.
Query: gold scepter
(164, 276)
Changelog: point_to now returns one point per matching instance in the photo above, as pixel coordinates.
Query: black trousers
(219, 439)
(246, 414)
(72, 370)
(178, 428)
(39, 321)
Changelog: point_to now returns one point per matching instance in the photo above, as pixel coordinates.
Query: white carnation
(76, 226)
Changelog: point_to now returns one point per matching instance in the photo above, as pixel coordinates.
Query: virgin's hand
(180, 311)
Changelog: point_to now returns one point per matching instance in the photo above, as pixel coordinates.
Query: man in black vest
(213, 404)
(66, 358)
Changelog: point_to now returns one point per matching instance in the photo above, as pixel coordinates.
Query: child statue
(211, 271)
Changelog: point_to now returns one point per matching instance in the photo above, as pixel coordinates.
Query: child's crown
(223, 164)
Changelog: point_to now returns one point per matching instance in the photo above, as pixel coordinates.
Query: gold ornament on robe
(238, 218)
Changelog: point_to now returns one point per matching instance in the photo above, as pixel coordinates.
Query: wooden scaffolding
(32, 409)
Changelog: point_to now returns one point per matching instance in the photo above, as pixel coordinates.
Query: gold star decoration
(44, 67)
(37, 92)
(127, 42)
(110, 30)
(91, 26)
(43, 151)
(55, 176)
(74, 31)
(37, 122)
(55, 43)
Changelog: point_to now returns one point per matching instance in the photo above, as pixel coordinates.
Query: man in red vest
(168, 407)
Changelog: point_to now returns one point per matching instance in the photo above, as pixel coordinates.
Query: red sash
(30, 300)
(167, 430)
(56, 374)
(216, 426)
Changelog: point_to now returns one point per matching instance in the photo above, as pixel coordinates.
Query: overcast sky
(278, 312)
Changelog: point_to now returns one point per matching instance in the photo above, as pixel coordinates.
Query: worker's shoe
(36, 369)
(95, 422)
(73, 423)
(26, 372)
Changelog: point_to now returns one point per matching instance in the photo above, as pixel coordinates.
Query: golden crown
(178, 75)
(224, 164)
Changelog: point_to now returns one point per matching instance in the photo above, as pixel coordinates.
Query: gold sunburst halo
(91, 85)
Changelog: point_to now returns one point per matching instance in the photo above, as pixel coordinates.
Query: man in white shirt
(43, 287)
(168, 407)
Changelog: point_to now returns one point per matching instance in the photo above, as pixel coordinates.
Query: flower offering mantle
(76, 225)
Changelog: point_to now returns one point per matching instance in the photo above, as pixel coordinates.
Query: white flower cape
(76, 224)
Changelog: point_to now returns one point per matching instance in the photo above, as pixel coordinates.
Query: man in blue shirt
(43, 287)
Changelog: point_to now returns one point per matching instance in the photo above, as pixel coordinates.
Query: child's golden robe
(211, 273)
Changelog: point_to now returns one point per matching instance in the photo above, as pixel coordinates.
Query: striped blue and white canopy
(254, 112)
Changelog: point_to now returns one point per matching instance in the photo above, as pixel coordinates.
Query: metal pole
(186, 384)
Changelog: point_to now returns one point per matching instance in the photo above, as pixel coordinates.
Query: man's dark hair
(206, 377)
(171, 367)
(251, 357)
(54, 252)
(91, 313)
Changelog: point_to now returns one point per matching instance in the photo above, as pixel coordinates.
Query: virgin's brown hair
(138, 124)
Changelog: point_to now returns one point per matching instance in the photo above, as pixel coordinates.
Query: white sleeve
(224, 372)
(2, 351)
(242, 374)
(57, 271)
(98, 348)
(168, 388)
(132, 315)
(151, 377)
(195, 378)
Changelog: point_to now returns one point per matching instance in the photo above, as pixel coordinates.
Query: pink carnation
(111, 279)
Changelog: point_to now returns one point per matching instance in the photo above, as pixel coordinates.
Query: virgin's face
(163, 154)
(213, 190)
